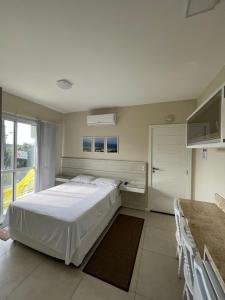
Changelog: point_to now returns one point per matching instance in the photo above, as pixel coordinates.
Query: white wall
(18, 106)
(132, 129)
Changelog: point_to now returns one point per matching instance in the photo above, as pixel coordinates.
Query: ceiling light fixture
(64, 84)
(195, 7)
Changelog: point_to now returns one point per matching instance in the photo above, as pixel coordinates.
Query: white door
(169, 166)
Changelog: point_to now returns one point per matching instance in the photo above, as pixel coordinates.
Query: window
(19, 160)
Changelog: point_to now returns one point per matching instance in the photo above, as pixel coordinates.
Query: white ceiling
(117, 52)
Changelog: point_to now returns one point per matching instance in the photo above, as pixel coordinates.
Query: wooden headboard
(132, 171)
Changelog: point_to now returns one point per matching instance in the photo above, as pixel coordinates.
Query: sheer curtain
(46, 155)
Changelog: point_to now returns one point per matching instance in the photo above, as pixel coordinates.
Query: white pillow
(107, 181)
(83, 179)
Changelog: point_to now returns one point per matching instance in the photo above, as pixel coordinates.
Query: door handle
(155, 169)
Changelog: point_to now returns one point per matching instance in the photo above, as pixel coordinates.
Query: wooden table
(207, 224)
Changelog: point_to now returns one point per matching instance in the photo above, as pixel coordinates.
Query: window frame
(15, 170)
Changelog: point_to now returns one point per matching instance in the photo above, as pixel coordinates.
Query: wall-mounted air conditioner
(98, 120)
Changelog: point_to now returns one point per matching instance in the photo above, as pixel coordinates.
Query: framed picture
(99, 144)
(87, 144)
(112, 144)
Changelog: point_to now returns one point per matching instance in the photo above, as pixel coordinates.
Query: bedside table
(133, 187)
(62, 179)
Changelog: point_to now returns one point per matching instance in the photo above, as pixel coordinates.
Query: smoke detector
(195, 7)
(64, 84)
(169, 119)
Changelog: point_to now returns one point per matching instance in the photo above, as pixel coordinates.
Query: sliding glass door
(25, 159)
(19, 160)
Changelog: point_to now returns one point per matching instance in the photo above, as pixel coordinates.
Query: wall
(132, 128)
(18, 106)
(209, 175)
(0, 139)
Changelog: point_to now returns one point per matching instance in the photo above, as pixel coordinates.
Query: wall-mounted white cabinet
(206, 125)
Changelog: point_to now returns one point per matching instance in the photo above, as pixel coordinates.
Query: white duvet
(60, 217)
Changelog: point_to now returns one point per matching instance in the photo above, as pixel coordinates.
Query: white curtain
(46, 155)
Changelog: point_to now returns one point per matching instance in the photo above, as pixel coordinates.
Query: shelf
(134, 188)
(207, 145)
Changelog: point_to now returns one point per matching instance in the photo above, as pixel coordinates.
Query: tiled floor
(28, 275)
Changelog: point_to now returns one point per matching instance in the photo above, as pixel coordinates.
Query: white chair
(179, 251)
(190, 251)
(206, 285)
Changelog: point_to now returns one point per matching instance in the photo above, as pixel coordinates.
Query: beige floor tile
(15, 265)
(133, 283)
(160, 241)
(139, 297)
(52, 280)
(5, 246)
(16, 248)
(133, 212)
(161, 221)
(158, 277)
(91, 288)
(26, 274)
(2, 247)
(141, 242)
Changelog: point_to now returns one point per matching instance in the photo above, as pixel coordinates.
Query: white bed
(63, 221)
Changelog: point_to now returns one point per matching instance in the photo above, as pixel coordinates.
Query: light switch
(204, 154)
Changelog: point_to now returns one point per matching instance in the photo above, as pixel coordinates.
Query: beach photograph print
(87, 143)
(99, 144)
(112, 144)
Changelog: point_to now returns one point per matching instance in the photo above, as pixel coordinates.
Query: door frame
(189, 164)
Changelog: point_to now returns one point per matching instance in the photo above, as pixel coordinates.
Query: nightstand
(133, 187)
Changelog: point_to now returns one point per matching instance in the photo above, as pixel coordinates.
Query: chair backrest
(214, 281)
(203, 288)
(189, 248)
(178, 216)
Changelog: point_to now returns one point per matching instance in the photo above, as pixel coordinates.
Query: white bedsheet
(60, 217)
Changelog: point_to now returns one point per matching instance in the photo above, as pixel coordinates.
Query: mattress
(58, 220)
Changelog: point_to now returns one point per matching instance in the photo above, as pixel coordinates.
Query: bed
(64, 221)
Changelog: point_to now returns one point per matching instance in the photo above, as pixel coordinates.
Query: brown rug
(4, 234)
(114, 259)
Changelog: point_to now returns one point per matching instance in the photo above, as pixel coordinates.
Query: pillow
(83, 179)
(107, 181)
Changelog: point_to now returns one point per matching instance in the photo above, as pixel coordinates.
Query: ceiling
(116, 52)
